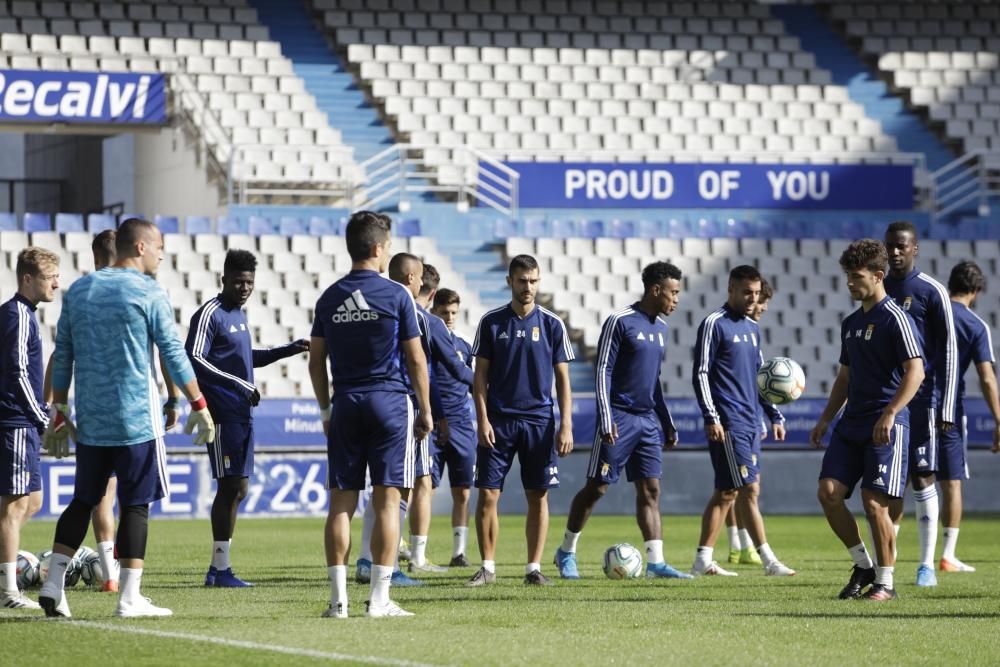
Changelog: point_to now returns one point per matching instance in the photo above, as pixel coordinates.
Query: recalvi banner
(82, 97)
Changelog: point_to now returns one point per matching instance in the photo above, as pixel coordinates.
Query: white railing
(972, 178)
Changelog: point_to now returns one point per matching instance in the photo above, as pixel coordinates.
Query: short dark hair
(398, 261)
(901, 226)
(657, 272)
(522, 263)
(238, 261)
(744, 272)
(429, 280)
(129, 233)
(446, 297)
(865, 254)
(366, 229)
(766, 291)
(103, 247)
(966, 278)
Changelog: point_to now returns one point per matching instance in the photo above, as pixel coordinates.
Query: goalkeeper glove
(55, 440)
(201, 420)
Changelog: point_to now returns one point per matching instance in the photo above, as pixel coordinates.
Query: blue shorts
(733, 459)
(952, 463)
(459, 454)
(20, 460)
(231, 453)
(372, 431)
(638, 449)
(141, 470)
(852, 456)
(533, 443)
(923, 454)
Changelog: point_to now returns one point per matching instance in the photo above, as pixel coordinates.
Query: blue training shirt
(975, 343)
(221, 352)
(104, 341)
(874, 346)
(425, 342)
(452, 367)
(364, 317)
(22, 372)
(726, 359)
(630, 351)
(522, 354)
(927, 302)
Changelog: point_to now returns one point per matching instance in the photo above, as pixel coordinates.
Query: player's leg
(728, 480)
(952, 471)
(604, 469)
(231, 456)
(536, 527)
(539, 473)
(17, 461)
(733, 532)
(459, 525)
(460, 457)
(103, 520)
(420, 511)
(885, 470)
(363, 566)
(877, 512)
(492, 466)
(923, 458)
(337, 544)
(747, 507)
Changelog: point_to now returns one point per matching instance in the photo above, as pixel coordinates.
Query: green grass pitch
(749, 620)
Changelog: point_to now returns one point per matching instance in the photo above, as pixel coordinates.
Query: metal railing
(972, 178)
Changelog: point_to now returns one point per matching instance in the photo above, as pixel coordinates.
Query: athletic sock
(56, 582)
(459, 534)
(926, 505)
(367, 526)
(767, 556)
(418, 549)
(8, 574)
(703, 557)
(131, 578)
(734, 538)
(338, 585)
(745, 541)
(220, 555)
(950, 542)
(109, 566)
(490, 566)
(654, 551)
(569, 541)
(381, 579)
(860, 556)
(883, 575)
(532, 567)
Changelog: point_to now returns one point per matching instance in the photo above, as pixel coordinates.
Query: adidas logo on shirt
(354, 309)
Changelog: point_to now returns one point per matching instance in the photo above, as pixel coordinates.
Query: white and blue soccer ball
(27, 570)
(90, 569)
(780, 380)
(622, 561)
(72, 572)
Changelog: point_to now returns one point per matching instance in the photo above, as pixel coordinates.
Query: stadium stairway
(325, 77)
(832, 52)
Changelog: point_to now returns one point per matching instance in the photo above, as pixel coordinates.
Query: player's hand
(422, 425)
(301, 345)
(763, 434)
(947, 426)
(610, 438)
(779, 431)
(55, 439)
(564, 441)
(996, 439)
(882, 433)
(324, 414)
(670, 438)
(443, 432)
(816, 435)
(484, 431)
(202, 421)
(715, 432)
(171, 412)
(254, 397)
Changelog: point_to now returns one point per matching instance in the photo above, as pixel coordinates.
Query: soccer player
(927, 302)
(518, 348)
(363, 322)
(458, 450)
(881, 368)
(110, 320)
(741, 547)
(221, 351)
(975, 345)
(726, 359)
(23, 411)
(634, 421)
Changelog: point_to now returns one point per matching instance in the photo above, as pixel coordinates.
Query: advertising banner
(32, 96)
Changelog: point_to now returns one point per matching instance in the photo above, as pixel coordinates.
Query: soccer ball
(622, 561)
(780, 380)
(72, 572)
(90, 569)
(27, 569)
(77, 565)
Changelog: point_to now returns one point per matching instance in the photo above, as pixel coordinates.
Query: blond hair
(32, 260)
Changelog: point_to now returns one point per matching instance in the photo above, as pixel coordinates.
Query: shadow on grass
(853, 617)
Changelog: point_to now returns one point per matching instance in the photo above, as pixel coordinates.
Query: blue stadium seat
(128, 216)
(504, 228)
(564, 229)
(854, 229)
(621, 229)
(168, 224)
(259, 226)
(98, 222)
(971, 230)
(592, 229)
(408, 227)
(536, 228)
(679, 229)
(341, 225)
(649, 229)
(226, 226)
(37, 222)
(8, 222)
(197, 224)
(709, 228)
(289, 226)
(69, 222)
(322, 226)
(738, 229)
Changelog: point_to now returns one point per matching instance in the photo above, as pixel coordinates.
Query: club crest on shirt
(604, 469)
(869, 331)
(907, 302)
(536, 334)
(744, 472)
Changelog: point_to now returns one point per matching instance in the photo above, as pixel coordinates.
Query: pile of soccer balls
(33, 570)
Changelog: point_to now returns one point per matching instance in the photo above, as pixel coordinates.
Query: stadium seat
(197, 224)
(408, 227)
(69, 222)
(289, 226)
(323, 226)
(168, 224)
(37, 222)
(8, 222)
(504, 228)
(227, 226)
(98, 222)
(257, 226)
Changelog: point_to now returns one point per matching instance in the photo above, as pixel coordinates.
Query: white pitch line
(251, 646)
